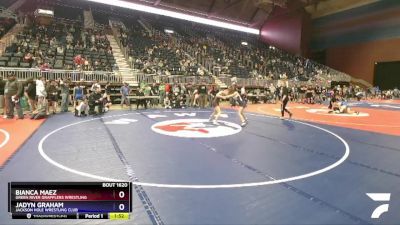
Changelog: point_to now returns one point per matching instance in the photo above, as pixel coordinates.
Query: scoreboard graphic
(69, 200)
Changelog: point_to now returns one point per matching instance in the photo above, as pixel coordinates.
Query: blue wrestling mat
(187, 170)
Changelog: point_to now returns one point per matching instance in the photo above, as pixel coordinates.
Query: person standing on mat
(125, 91)
(13, 91)
(30, 94)
(141, 100)
(41, 88)
(2, 97)
(225, 94)
(285, 100)
(242, 103)
(64, 86)
(52, 96)
(202, 95)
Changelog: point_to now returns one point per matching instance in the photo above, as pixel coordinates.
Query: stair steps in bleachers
(123, 67)
(16, 5)
(146, 27)
(216, 80)
(9, 38)
(88, 19)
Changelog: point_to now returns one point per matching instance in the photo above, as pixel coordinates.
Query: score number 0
(121, 195)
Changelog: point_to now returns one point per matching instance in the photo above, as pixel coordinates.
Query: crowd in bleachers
(5, 25)
(253, 60)
(60, 46)
(6, 3)
(191, 50)
(219, 51)
(152, 53)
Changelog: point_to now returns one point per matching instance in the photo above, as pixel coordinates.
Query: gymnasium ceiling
(252, 13)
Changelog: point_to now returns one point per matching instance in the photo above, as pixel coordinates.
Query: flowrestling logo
(380, 197)
(196, 128)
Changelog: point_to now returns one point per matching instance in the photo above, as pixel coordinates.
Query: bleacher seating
(68, 12)
(100, 18)
(5, 25)
(6, 3)
(57, 45)
(256, 60)
(192, 50)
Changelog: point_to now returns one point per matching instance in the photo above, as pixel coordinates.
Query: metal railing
(361, 82)
(246, 81)
(254, 82)
(101, 76)
(74, 75)
(182, 79)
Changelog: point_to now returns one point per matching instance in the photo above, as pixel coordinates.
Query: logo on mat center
(196, 128)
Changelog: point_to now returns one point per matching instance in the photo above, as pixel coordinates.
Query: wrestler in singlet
(225, 94)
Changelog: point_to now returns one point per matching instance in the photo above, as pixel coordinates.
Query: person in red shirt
(167, 88)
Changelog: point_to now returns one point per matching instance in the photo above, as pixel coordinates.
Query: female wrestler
(225, 94)
(241, 101)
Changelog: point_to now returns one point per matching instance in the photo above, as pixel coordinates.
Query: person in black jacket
(13, 91)
(96, 99)
(2, 97)
(285, 100)
(202, 95)
(142, 101)
(52, 96)
(30, 93)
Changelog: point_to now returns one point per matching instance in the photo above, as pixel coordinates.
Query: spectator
(161, 91)
(13, 91)
(41, 112)
(64, 86)
(82, 109)
(2, 97)
(107, 91)
(167, 102)
(78, 94)
(30, 93)
(142, 101)
(41, 88)
(60, 50)
(96, 85)
(202, 95)
(125, 91)
(95, 100)
(52, 96)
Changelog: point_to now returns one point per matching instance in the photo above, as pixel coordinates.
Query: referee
(285, 100)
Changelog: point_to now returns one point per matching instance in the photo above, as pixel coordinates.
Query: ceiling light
(177, 15)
